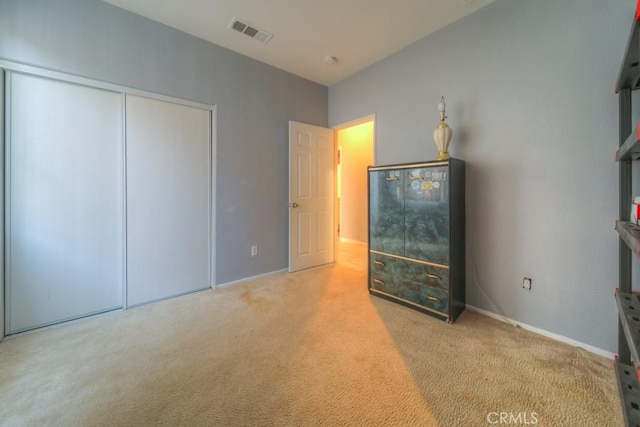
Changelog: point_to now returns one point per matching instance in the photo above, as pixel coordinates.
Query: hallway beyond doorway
(352, 255)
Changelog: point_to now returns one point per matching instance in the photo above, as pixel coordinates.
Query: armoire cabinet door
(426, 218)
(168, 199)
(386, 225)
(65, 202)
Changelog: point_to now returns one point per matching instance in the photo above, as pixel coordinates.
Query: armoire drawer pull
(391, 178)
(380, 263)
(433, 299)
(378, 282)
(415, 177)
(433, 276)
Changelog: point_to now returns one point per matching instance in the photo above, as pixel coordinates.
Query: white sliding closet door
(2, 144)
(65, 213)
(168, 199)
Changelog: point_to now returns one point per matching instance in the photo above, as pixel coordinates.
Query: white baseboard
(246, 279)
(561, 338)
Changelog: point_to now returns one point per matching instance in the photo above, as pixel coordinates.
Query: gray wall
(254, 103)
(529, 89)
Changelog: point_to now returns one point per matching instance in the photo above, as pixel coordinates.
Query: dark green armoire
(417, 235)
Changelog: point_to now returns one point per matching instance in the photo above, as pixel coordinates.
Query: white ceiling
(357, 32)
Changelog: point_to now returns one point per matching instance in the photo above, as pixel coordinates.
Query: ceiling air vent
(249, 30)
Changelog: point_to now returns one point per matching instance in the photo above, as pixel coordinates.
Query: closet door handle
(433, 276)
(430, 298)
(379, 263)
(378, 282)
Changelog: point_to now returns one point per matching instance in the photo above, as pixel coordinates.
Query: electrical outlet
(526, 283)
(254, 250)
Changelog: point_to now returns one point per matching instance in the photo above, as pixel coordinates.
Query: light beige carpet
(303, 349)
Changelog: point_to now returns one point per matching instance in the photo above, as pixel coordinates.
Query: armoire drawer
(416, 283)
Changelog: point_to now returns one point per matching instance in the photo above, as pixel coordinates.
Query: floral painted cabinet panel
(417, 235)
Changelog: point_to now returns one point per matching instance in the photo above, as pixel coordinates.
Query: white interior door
(168, 199)
(64, 204)
(311, 196)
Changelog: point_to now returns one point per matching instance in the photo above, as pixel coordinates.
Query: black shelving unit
(629, 309)
(630, 149)
(629, 247)
(629, 392)
(630, 234)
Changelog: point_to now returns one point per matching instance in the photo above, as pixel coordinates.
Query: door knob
(293, 205)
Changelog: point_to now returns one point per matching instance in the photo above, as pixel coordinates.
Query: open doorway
(355, 146)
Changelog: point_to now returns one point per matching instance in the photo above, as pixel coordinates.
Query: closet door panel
(168, 176)
(65, 213)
